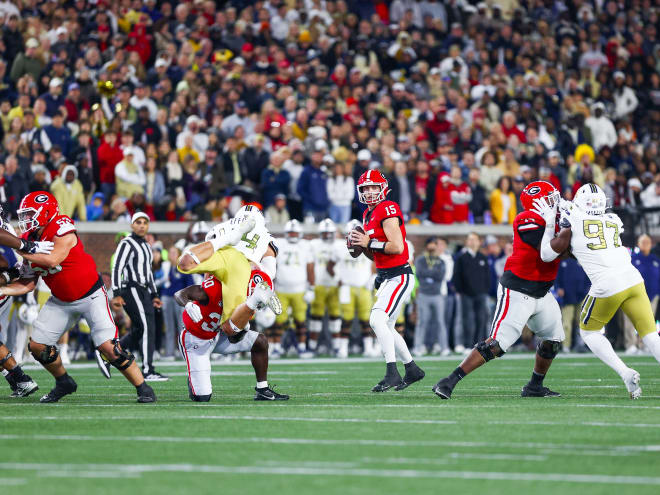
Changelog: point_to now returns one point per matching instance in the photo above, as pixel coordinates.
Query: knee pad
(124, 359)
(47, 356)
(315, 325)
(548, 349)
(200, 398)
(489, 350)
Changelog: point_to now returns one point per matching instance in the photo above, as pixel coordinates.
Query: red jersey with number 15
(372, 222)
(207, 328)
(77, 274)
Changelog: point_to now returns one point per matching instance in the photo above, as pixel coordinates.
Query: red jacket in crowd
(109, 157)
(451, 204)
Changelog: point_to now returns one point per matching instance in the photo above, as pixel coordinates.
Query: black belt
(388, 273)
(97, 285)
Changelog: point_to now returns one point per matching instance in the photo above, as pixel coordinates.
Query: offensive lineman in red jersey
(77, 291)
(384, 240)
(523, 299)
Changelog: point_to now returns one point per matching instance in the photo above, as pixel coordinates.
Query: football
(354, 251)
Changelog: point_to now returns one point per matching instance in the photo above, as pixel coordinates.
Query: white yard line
(293, 470)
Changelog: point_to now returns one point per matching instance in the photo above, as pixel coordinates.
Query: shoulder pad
(273, 246)
(528, 217)
(64, 225)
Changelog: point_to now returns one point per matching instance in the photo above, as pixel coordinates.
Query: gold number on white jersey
(599, 234)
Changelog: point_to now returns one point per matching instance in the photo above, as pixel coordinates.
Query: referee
(133, 284)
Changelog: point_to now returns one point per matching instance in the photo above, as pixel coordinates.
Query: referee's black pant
(141, 338)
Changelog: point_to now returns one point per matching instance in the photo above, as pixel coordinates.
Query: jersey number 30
(594, 229)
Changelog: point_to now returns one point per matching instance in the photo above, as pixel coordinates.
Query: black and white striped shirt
(133, 260)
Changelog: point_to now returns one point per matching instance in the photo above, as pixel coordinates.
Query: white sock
(311, 344)
(602, 348)
(277, 347)
(262, 384)
(344, 346)
(336, 343)
(402, 351)
(652, 342)
(5, 372)
(368, 343)
(379, 324)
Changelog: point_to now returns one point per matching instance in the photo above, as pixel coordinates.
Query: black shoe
(388, 382)
(146, 394)
(443, 388)
(154, 376)
(24, 388)
(531, 391)
(104, 366)
(60, 390)
(414, 374)
(268, 393)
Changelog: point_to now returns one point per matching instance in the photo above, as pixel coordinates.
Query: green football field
(336, 437)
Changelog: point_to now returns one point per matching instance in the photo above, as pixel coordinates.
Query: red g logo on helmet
(537, 190)
(37, 209)
(256, 277)
(372, 178)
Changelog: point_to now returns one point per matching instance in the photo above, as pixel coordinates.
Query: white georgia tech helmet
(590, 199)
(293, 231)
(327, 229)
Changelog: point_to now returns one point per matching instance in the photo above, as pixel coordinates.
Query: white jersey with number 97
(596, 243)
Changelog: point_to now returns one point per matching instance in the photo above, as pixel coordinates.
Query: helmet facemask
(28, 219)
(372, 197)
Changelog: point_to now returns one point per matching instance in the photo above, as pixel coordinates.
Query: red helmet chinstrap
(536, 190)
(372, 178)
(36, 210)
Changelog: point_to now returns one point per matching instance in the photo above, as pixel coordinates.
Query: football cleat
(60, 390)
(275, 305)
(388, 382)
(443, 389)
(529, 391)
(24, 388)
(156, 377)
(413, 375)
(632, 384)
(104, 366)
(146, 394)
(268, 393)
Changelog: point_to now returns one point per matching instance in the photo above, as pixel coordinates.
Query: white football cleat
(632, 384)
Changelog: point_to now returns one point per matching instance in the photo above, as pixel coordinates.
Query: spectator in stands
(571, 286)
(472, 282)
(625, 99)
(648, 265)
(602, 129)
(130, 176)
(312, 187)
(27, 62)
(341, 191)
(277, 214)
(68, 192)
(503, 202)
(479, 203)
(275, 180)
(109, 155)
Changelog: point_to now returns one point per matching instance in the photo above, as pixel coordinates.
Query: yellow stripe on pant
(634, 302)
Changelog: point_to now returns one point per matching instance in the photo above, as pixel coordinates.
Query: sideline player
(593, 237)
(384, 239)
(77, 290)
(354, 296)
(524, 298)
(325, 252)
(204, 329)
(294, 271)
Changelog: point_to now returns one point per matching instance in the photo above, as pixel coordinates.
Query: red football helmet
(539, 189)
(37, 209)
(256, 277)
(372, 178)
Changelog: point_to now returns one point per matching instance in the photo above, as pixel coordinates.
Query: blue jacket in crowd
(649, 267)
(572, 279)
(176, 282)
(59, 136)
(274, 182)
(312, 188)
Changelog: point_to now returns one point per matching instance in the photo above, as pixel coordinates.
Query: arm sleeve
(547, 253)
(531, 234)
(121, 257)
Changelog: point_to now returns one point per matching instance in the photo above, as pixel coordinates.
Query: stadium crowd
(182, 109)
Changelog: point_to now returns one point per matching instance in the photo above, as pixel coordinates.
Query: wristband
(192, 255)
(377, 246)
(7, 277)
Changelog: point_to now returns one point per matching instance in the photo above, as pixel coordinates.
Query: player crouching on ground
(383, 239)
(77, 291)
(524, 298)
(204, 330)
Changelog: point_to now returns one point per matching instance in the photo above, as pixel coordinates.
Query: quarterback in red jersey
(77, 291)
(523, 298)
(384, 240)
(204, 331)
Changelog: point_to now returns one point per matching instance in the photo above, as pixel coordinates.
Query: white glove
(565, 208)
(260, 297)
(309, 295)
(194, 311)
(40, 247)
(547, 212)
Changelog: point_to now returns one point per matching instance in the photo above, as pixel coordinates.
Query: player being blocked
(523, 298)
(77, 291)
(383, 239)
(593, 235)
(205, 329)
(231, 250)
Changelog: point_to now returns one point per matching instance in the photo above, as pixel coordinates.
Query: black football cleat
(60, 390)
(104, 366)
(146, 394)
(390, 381)
(24, 388)
(414, 374)
(268, 393)
(443, 389)
(531, 391)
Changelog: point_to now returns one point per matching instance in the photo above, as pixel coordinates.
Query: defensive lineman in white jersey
(593, 237)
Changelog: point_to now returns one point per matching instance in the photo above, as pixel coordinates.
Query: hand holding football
(354, 249)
